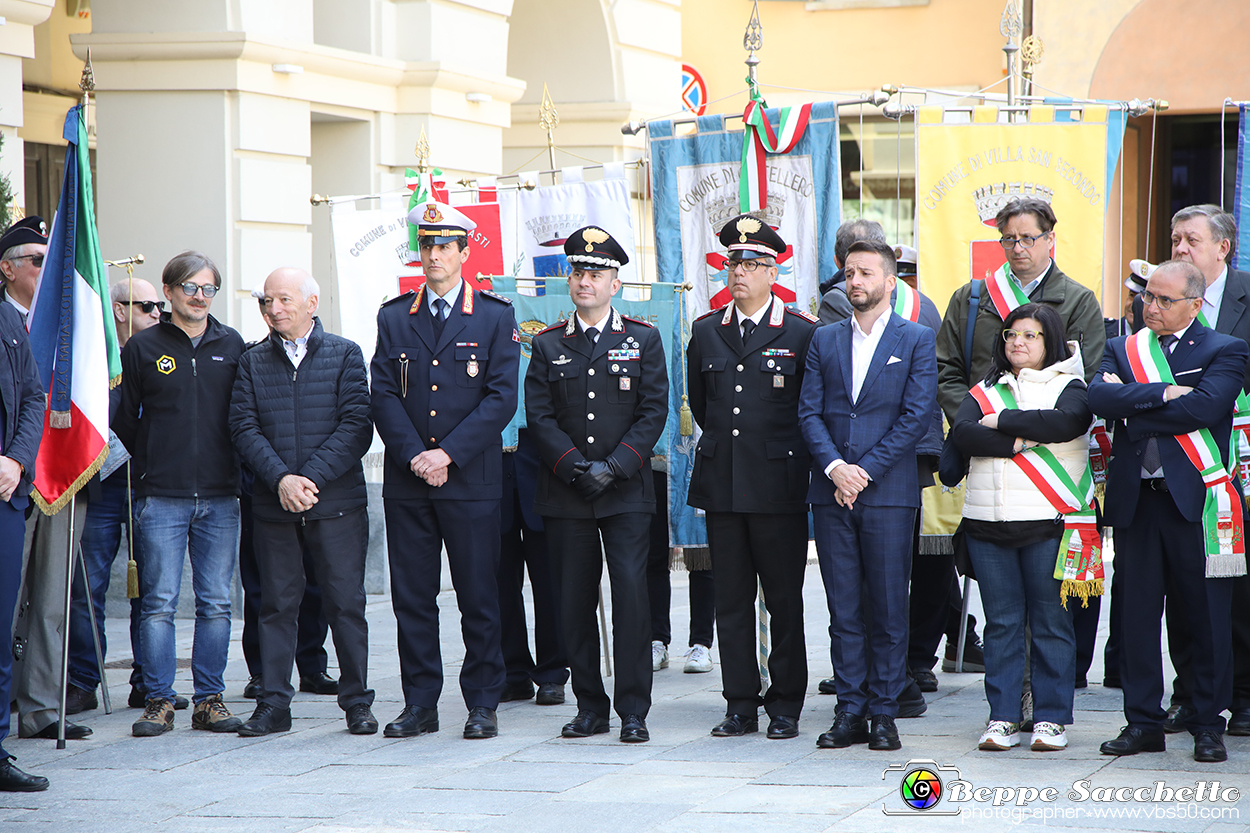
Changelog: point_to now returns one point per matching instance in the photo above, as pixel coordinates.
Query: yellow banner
(966, 172)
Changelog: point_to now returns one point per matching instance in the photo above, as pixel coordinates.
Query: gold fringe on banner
(68, 495)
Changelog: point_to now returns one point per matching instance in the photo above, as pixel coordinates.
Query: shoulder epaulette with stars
(495, 295)
(806, 316)
(397, 298)
(709, 312)
(638, 321)
(559, 325)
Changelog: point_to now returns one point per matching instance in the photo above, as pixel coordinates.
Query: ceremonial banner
(966, 172)
(72, 337)
(1241, 194)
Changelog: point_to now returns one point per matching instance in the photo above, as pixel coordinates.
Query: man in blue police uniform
(750, 476)
(596, 399)
(444, 388)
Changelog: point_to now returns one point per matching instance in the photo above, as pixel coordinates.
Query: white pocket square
(893, 359)
(1183, 372)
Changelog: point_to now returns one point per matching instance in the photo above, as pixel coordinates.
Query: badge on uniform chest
(779, 381)
(624, 383)
(471, 368)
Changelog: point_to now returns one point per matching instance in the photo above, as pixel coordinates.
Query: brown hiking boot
(158, 718)
(212, 715)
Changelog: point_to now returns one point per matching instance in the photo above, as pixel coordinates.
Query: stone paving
(319, 778)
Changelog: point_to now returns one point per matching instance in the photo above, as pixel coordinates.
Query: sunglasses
(147, 306)
(35, 260)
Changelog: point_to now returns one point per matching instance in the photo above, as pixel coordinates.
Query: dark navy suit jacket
(1212, 364)
(881, 428)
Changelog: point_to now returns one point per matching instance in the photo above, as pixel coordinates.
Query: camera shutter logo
(921, 789)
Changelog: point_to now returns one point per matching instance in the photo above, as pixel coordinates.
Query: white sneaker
(659, 655)
(1048, 737)
(698, 660)
(1000, 736)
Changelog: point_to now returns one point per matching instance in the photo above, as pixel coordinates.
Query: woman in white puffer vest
(1013, 532)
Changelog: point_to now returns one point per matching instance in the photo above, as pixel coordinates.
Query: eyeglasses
(747, 265)
(35, 260)
(189, 289)
(1029, 336)
(1148, 298)
(1026, 242)
(147, 306)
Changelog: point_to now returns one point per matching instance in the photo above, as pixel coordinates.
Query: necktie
(593, 334)
(440, 316)
(748, 327)
(1150, 460)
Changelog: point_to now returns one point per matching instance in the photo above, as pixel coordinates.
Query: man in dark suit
(444, 388)
(1204, 236)
(750, 477)
(596, 398)
(1161, 525)
(867, 401)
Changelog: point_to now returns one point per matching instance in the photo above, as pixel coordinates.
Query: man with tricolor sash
(1175, 503)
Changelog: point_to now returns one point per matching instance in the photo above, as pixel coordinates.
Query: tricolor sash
(1241, 409)
(907, 302)
(1222, 522)
(760, 139)
(1079, 563)
(1004, 292)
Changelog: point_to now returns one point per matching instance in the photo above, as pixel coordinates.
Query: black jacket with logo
(175, 409)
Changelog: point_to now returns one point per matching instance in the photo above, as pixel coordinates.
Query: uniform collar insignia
(728, 316)
(416, 302)
(570, 329)
(778, 313)
(466, 298)
(617, 325)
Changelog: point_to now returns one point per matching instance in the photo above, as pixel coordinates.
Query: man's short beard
(869, 302)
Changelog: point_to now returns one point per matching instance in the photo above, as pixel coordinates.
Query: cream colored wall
(1074, 34)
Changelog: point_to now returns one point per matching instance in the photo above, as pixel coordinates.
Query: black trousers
(575, 548)
(1161, 556)
(336, 547)
(660, 590)
(768, 551)
(1181, 651)
(522, 548)
(311, 630)
(416, 531)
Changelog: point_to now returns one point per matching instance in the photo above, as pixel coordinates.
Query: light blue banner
(1241, 196)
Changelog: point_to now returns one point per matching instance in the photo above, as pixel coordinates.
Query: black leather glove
(596, 480)
(617, 471)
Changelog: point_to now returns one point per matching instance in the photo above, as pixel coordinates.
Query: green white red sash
(1004, 292)
(1241, 409)
(1079, 563)
(1222, 522)
(760, 139)
(907, 302)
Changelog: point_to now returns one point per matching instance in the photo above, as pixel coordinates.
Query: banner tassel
(686, 417)
(132, 579)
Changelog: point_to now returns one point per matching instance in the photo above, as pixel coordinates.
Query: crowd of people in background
(252, 454)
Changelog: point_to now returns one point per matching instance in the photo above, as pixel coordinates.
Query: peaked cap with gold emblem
(439, 223)
(747, 237)
(593, 248)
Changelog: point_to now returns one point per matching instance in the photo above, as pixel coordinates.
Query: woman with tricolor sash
(1029, 520)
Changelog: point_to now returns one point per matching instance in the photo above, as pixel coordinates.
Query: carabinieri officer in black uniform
(750, 476)
(444, 388)
(596, 399)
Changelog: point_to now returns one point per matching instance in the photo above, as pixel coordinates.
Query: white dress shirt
(600, 325)
(296, 350)
(1213, 298)
(757, 317)
(863, 347)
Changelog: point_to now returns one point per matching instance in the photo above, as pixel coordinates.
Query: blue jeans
(107, 516)
(167, 529)
(1017, 582)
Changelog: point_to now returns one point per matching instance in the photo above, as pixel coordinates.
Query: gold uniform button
(738, 388)
(735, 432)
(590, 439)
(433, 413)
(591, 394)
(435, 362)
(433, 387)
(403, 355)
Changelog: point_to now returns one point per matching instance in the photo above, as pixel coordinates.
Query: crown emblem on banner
(991, 199)
(721, 210)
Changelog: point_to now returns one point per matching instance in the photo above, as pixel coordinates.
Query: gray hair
(1195, 282)
(120, 292)
(187, 265)
(14, 252)
(309, 286)
(1220, 222)
(852, 231)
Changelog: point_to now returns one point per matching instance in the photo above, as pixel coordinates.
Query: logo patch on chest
(166, 365)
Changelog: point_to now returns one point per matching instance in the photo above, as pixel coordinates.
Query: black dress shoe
(586, 723)
(883, 736)
(254, 689)
(266, 720)
(828, 686)
(925, 679)
(1239, 723)
(634, 729)
(1209, 748)
(974, 656)
(847, 729)
(73, 731)
(911, 702)
(782, 727)
(550, 694)
(1111, 681)
(321, 683)
(1178, 718)
(523, 690)
(13, 780)
(735, 726)
(360, 720)
(1082, 682)
(80, 700)
(412, 721)
(481, 724)
(1134, 739)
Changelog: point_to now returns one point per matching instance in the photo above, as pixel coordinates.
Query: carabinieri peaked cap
(30, 230)
(747, 237)
(593, 248)
(439, 223)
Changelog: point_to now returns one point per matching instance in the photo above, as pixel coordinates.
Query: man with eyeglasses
(750, 476)
(135, 308)
(22, 249)
(177, 378)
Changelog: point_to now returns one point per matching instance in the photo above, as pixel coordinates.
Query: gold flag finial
(1031, 50)
(422, 152)
(548, 118)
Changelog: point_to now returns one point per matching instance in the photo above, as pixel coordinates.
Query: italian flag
(72, 336)
(759, 140)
